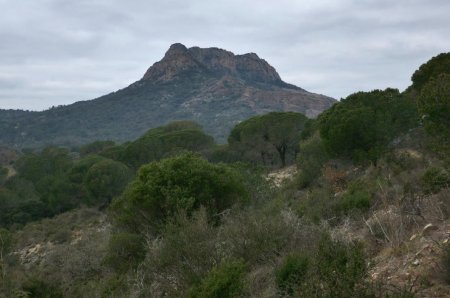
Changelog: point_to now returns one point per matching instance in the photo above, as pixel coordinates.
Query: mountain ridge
(212, 86)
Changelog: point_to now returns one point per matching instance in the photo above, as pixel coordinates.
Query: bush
(356, 197)
(339, 270)
(125, 251)
(178, 184)
(311, 158)
(184, 254)
(292, 273)
(446, 264)
(38, 288)
(224, 281)
(435, 179)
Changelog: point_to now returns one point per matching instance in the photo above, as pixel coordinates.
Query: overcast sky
(55, 52)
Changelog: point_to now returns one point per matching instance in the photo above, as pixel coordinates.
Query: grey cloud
(58, 52)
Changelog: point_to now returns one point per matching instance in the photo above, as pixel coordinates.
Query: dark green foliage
(431, 69)
(81, 167)
(3, 175)
(51, 161)
(356, 197)
(434, 107)
(292, 272)
(96, 147)
(125, 251)
(6, 243)
(446, 264)
(20, 203)
(224, 281)
(270, 139)
(435, 179)
(165, 141)
(338, 269)
(106, 179)
(38, 288)
(182, 183)
(362, 125)
(310, 160)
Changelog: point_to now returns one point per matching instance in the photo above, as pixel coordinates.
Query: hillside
(353, 203)
(211, 86)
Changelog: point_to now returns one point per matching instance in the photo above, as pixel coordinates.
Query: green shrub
(183, 183)
(310, 160)
(435, 179)
(224, 281)
(446, 264)
(319, 205)
(339, 269)
(292, 273)
(38, 288)
(354, 198)
(125, 251)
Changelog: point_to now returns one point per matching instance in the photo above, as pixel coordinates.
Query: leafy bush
(224, 281)
(184, 254)
(183, 183)
(435, 179)
(446, 264)
(338, 270)
(292, 273)
(38, 288)
(310, 160)
(356, 197)
(319, 205)
(125, 251)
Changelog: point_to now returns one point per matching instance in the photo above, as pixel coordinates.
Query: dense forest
(363, 212)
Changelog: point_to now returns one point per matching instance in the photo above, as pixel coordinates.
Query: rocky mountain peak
(180, 60)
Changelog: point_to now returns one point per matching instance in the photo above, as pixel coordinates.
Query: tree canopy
(178, 184)
(260, 138)
(363, 124)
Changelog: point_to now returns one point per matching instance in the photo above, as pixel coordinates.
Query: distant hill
(209, 85)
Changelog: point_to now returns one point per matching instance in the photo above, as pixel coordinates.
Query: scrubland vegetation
(172, 214)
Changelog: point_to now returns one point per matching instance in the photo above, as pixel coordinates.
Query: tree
(276, 133)
(106, 179)
(179, 184)
(51, 161)
(363, 124)
(434, 106)
(166, 140)
(431, 69)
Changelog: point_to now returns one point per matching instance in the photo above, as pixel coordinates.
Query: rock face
(179, 60)
(212, 86)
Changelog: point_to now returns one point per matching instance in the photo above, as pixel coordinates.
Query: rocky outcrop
(180, 60)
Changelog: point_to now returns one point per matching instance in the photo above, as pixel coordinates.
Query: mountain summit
(214, 87)
(180, 60)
